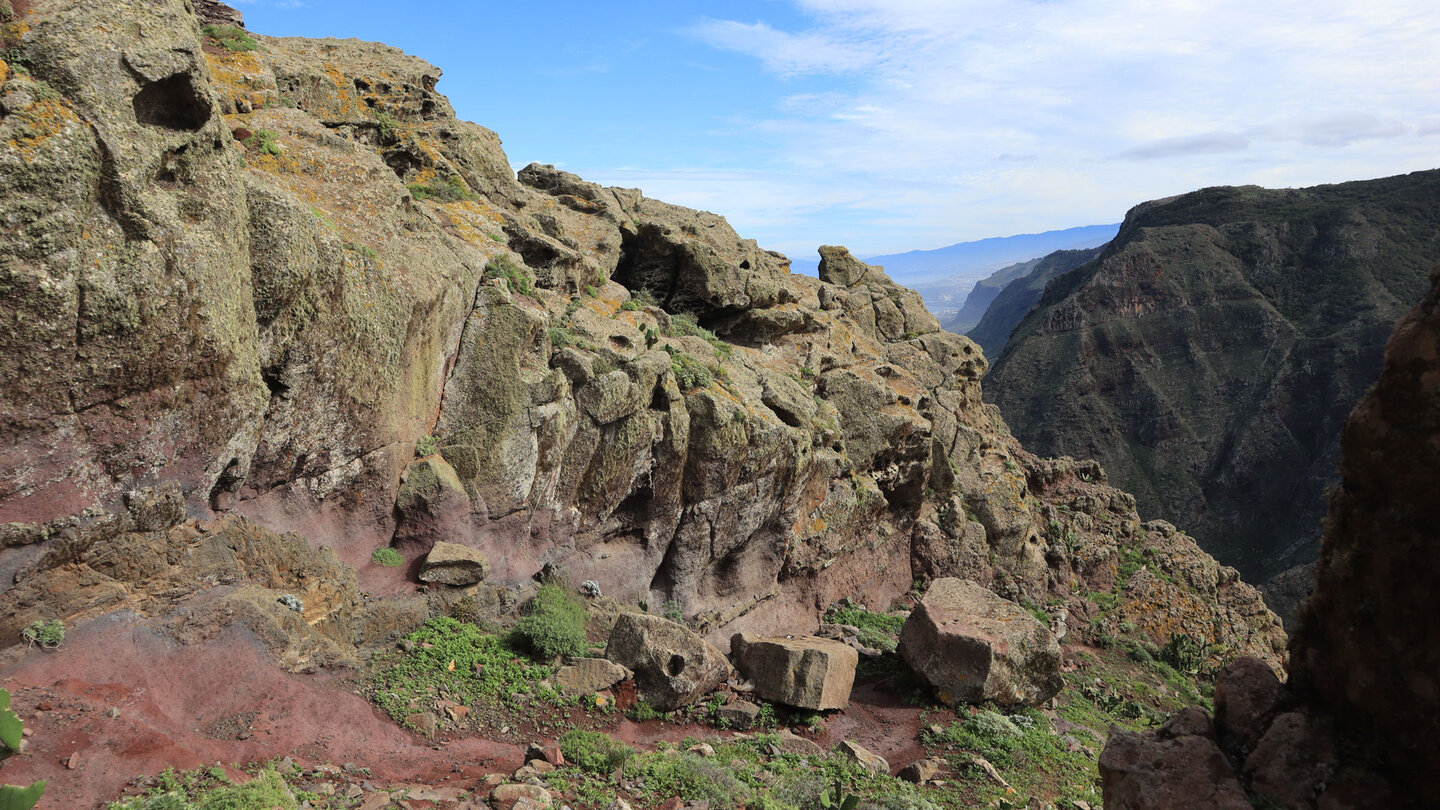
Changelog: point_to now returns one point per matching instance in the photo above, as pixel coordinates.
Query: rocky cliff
(1209, 356)
(281, 274)
(1355, 726)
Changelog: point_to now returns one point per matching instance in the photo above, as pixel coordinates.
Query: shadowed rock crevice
(173, 102)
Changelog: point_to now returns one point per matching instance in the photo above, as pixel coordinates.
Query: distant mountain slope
(983, 293)
(1210, 355)
(1005, 307)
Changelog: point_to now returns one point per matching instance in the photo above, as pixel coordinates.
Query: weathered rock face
(613, 384)
(1006, 307)
(1179, 766)
(1366, 651)
(673, 666)
(1355, 724)
(973, 646)
(801, 671)
(1208, 358)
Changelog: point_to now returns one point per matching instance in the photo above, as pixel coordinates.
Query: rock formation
(972, 647)
(801, 671)
(1209, 356)
(1356, 723)
(290, 281)
(1007, 306)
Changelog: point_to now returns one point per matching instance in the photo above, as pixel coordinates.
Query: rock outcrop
(972, 646)
(1355, 724)
(1209, 356)
(289, 281)
(801, 671)
(673, 666)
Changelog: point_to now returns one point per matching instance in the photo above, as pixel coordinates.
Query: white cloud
(953, 120)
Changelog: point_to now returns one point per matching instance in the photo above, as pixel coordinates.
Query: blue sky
(888, 125)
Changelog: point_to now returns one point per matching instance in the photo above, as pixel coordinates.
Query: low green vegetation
(48, 634)
(211, 789)
(516, 276)
(459, 659)
(388, 557)
(684, 325)
(689, 372)
(387, 124)
(555, 625)
(262, 141)
(594, 752)
(231, 37)
(12, 732)
(451, 189)
(880, 631)
(1023, 748)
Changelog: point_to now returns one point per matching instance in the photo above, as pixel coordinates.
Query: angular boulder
(589, 675)
(1180, 767)
(857, 754)
(673, 666)
(454, 564)
(802, 671)
(973, 646)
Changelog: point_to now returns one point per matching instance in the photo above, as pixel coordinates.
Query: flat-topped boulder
(972, 646)
(454, 564)
(673, 666)
(802, 671)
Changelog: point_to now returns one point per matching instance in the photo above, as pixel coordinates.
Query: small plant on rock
(48, 634)
(231, 37)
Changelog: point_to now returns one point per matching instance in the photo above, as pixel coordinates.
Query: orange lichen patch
(40, 122)
(12, 31)
(4, 71)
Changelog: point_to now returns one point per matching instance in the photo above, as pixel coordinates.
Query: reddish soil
(188, 707)
(226, 702)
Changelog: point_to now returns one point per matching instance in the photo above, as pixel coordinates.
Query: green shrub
(231, 37)
(591, 291)
(594, 752)
(451, 189)
(388, 557)
(630, 306)
(689, 372)
(688, 776)
(516, 277)
(48, 634)
(555, 625)
(672, 611)
(387, 124)
(262, 141)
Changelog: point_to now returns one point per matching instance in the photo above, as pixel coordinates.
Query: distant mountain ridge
(1209, 356)
(977, 258)
(1004, 308)
(945, 277)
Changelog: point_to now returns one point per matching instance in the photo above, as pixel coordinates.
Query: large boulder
(673, 666)
(973, 646)
(801, 671)
(454, 564)
(1180, 767)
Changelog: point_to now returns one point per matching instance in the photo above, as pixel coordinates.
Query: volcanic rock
(673, 666)
(973, 646)
(802, 671)
(453, 564)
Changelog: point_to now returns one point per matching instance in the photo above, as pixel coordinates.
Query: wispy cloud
(1207, 144)
(956, 120)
